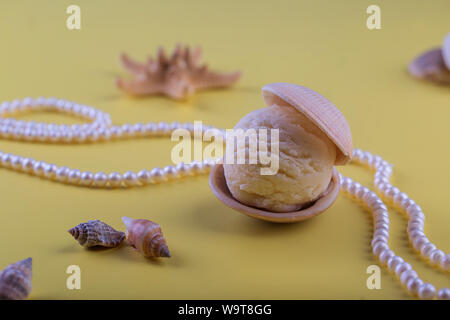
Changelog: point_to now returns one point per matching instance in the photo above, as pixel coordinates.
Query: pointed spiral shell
(146, 237)
(97, 233)
(15, 280)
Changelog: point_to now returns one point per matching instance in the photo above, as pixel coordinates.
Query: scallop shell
(220, 189)
(431, 66)
(146, 237)
(15, 280)
(97, 233)
(318, 110)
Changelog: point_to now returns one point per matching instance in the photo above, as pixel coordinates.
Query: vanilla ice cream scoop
(313, 136)
(305, 162)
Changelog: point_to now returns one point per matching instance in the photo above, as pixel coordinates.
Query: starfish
(176, 76)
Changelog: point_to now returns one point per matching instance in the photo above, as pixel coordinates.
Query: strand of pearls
(380, 248)
(100, 128)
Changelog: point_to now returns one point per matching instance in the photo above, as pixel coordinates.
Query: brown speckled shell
(15, 280)
(97, 233)
(146, 237)
(321, 112)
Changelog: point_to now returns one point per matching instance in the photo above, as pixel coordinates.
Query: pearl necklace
(101, 129)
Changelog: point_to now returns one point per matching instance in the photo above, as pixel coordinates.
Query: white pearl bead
(379, 247)
(115, 179)
(381, 232)
(393, 262)
(416, 234)
(86, 178)
(419, 242)
(382, 226)
(50, 171)
(182, 169)
(156, 175)
(399, 198)
(27, 164)
(354, 188)
(130, 179)
(427, 291)
(74, 176)
(413, 209)
(16, 162)
(127, 130)
(382, 219)
(392, 192)
(436, 256)
(39, 167)
(163, 128)
(170, 172)
(427, 249)
(409, 202)
(100, 179)
(402, 267)
(385, 256)
(445, 262)
(144, 177)
(415, 226)
(379, 239)
(62, 174)
(413, 285)
(6, 160)
(195, 167)
(407, 275)
(444, 294)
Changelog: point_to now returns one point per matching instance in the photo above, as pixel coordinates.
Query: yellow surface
(218, 253)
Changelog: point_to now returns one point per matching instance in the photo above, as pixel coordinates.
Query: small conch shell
(146, 237)
(97, 233)
(15, 280)
(433, 65)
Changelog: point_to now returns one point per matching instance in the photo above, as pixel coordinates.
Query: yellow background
(218, 253)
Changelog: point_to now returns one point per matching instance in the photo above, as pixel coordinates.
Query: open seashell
(15, 280)
(146, 237)
(328, 119)
(97, 233)
(316, 108)
(220, 189)
(433, 65)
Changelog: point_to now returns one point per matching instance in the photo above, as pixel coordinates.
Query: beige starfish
(176, 76)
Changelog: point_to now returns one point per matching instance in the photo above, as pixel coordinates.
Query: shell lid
(321, 112)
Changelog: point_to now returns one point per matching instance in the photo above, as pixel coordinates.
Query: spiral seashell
(146, 237)
(97, 233)
(433, 65)
(15, 280)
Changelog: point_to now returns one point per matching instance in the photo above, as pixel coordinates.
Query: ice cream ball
(305, 162)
